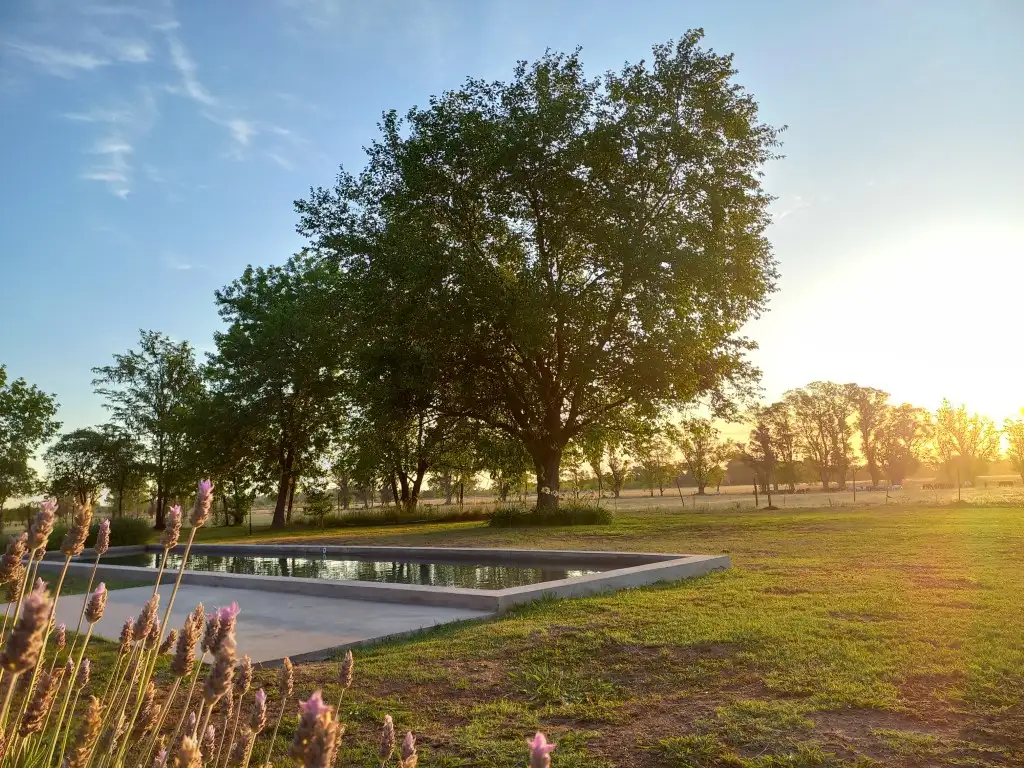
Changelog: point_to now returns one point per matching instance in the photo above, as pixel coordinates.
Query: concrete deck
(273, 625)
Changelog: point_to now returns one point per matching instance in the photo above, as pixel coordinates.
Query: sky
(151, 150)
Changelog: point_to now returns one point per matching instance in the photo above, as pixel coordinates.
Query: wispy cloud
(796, 203)
(322, 14)
(133, 51)
(112, 165)
(242, 131)
(112, 152)
(59, 62)
(174, 263)
(190, 85)
(281, 161)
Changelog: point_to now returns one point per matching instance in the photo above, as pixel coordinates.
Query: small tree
(778, 419)
(75, 465)
(151, 393)
(1013, 429)
(902, 439)
(317, 503)
(702, 450)
(26, 422)
(965, 442)
(869, 409)
(619, 464)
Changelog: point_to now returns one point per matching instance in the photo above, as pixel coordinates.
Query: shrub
(392, 516)
(513, 516)
(124, 532)
(318, 506)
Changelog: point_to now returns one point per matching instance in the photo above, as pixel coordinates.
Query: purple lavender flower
(204, 499)
(540, 751)
(172, 528)
(103, 538)
(313, 706)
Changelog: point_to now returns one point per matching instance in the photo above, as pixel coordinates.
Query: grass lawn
(841, 637)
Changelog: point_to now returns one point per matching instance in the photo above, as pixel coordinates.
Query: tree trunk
(394, 491)
(282, 501)
(291, 497)
(547, 461)
(283, 486)
(403, 481)
(700, 488)
(161, 502)
(417, 484)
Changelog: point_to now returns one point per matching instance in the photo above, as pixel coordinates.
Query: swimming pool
(438, 573)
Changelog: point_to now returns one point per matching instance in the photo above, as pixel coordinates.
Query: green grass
(840, 638)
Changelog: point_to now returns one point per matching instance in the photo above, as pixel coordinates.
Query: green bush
(513, 516)
(124, 532)
(391, 516)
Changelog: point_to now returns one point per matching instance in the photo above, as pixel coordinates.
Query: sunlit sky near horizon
(151, 150)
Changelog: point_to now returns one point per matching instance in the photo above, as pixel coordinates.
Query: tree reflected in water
(465, 575)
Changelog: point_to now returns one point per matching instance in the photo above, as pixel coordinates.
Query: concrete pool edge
(636, 569)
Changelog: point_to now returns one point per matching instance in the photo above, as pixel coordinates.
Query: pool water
(436, 574)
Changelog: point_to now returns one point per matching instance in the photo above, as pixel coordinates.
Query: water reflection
(393, 572)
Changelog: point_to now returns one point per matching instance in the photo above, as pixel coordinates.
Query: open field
(742, 497)
(842, 637)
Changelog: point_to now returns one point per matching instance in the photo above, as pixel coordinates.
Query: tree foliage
(151, 392)
(869, 407)
(703, 450)
(965, 442)
(902, 439)
(26, 422)
(75, 465)
(822, 419)
(278, 366)
(573, 245)
(1013, 429)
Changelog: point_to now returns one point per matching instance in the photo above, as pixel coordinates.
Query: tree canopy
(150, 393)
(26, 422)
(558, 247)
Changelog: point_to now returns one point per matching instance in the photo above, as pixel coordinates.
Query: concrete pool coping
(625, 569)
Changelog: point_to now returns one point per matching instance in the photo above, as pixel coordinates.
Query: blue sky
(152, 150)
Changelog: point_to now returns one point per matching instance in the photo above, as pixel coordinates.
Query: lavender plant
(41, 725)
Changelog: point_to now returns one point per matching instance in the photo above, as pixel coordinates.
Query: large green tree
(278, 365)
(26, 422)
(150, 392)
(574, 245)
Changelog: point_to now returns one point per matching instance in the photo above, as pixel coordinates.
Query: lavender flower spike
(314, 706)
(97, 604)
(204, 499)
(540, 751)
(172, 528)
(103, 538)
(408, 757)
(42, 525)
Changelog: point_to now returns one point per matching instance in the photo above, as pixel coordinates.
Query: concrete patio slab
(273, 625)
